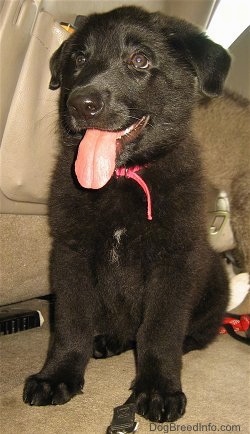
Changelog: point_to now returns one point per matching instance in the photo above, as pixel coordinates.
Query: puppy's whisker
(134, 117)
(49, 115)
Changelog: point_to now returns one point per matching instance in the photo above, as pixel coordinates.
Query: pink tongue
(95, 163)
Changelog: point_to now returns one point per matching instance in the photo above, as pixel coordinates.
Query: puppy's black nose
(85, 102)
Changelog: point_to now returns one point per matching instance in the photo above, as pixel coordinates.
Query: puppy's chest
(119, 247)
(116, 246)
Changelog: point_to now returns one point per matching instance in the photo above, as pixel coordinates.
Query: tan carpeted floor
(216, 381)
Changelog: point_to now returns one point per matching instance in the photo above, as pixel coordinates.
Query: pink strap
(130, 173)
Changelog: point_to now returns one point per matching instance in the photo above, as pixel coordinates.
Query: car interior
(216, 378)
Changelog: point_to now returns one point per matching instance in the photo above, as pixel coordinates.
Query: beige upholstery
(29, 139)
(25, 245)
(27, 156)
(15, 30)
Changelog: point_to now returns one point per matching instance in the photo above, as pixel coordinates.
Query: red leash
(232, 324)
(130, 173)
(239, 323)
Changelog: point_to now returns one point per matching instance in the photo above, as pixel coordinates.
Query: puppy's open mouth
(132, 132)
(95, 163)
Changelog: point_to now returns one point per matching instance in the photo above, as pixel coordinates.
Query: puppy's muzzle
(85, 103)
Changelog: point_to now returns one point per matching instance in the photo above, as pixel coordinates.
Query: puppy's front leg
(62, 375)
(157, 388)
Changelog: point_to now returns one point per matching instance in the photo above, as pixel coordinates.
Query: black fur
(167, 290)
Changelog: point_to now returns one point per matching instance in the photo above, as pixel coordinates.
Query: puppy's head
(133, 75)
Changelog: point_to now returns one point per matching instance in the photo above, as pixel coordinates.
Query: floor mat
(215, 381)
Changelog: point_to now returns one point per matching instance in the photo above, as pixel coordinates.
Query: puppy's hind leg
(240, 215)
(208, 316)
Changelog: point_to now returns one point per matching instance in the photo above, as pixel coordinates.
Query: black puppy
(130, 259)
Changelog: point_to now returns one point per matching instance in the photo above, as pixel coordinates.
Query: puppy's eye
(80, 59)
(139, 61)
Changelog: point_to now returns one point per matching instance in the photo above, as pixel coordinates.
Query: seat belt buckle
(123, 421)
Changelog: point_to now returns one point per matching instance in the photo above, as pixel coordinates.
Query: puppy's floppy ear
(209, 60)
(80, 21)
(56, 61)
(56, 66)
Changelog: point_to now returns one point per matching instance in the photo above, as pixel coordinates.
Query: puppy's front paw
(161, 407)
(46, 391)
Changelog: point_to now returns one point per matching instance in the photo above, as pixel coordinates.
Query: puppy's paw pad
(175, 405)
(158, 407)
(39, 391)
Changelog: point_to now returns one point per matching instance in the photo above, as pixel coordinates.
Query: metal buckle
(123, 421)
